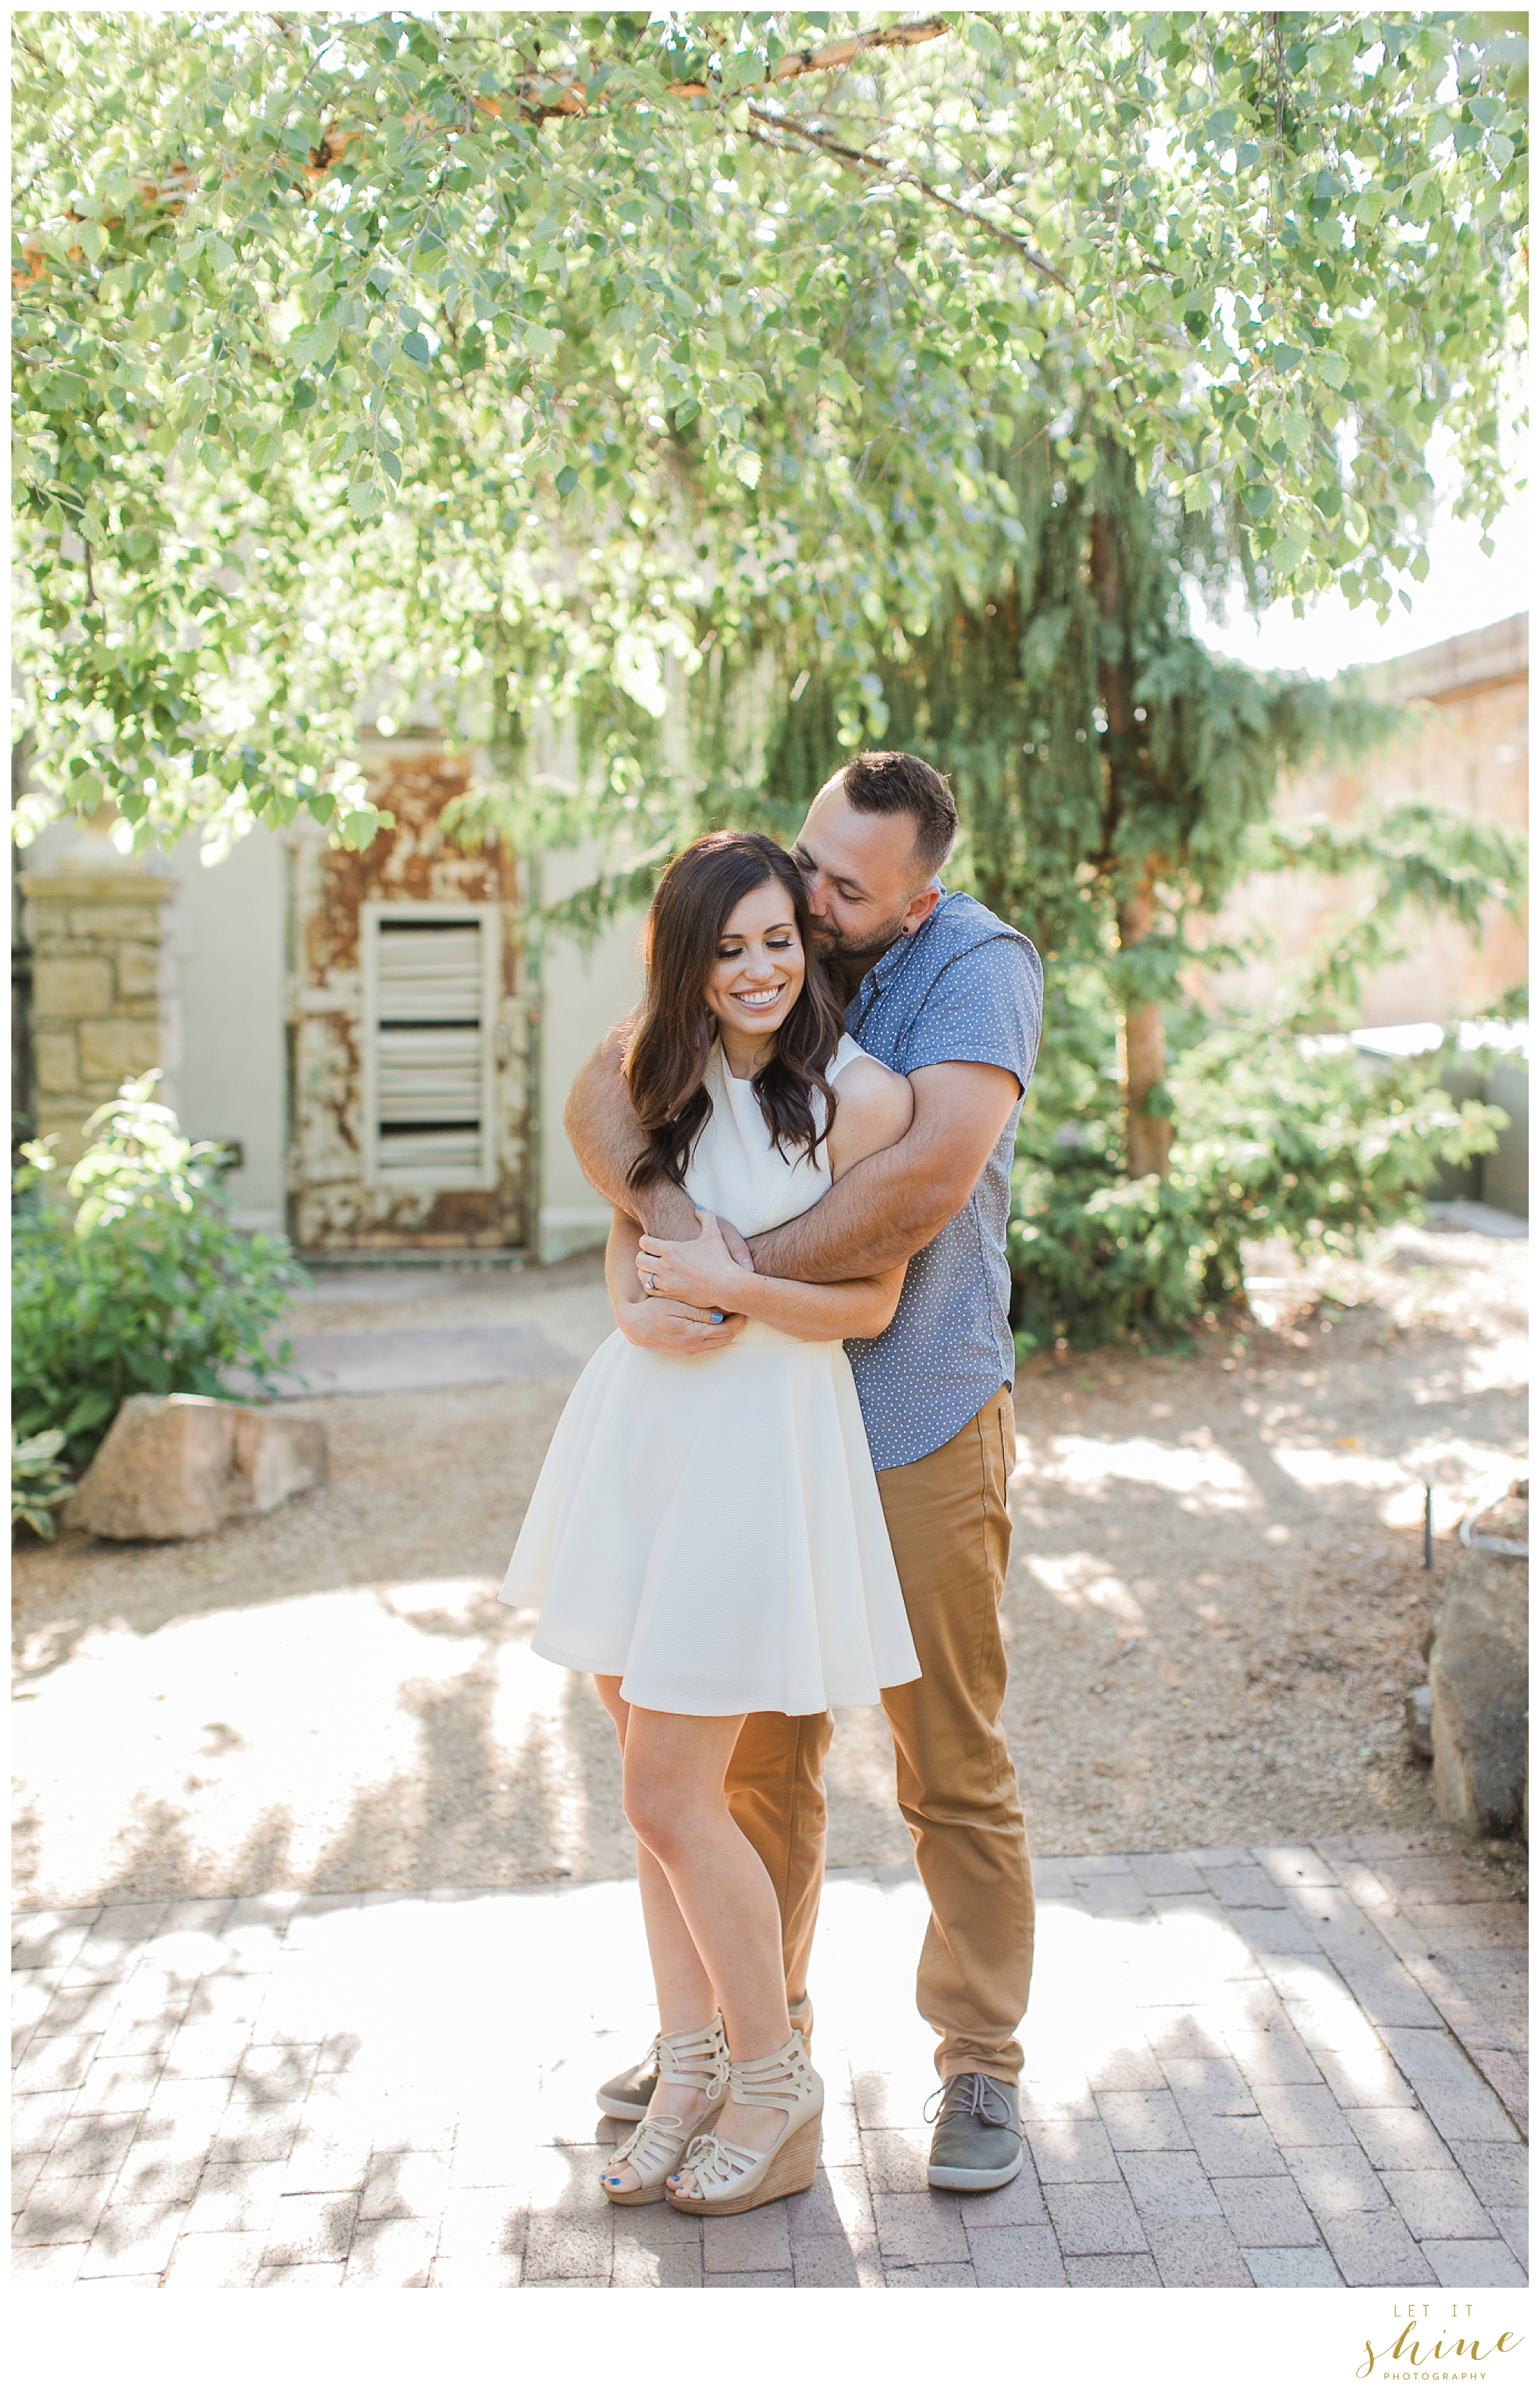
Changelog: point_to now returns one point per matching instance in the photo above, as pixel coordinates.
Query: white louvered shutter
(430, 1093)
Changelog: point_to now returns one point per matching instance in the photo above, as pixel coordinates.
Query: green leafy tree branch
(606, 333)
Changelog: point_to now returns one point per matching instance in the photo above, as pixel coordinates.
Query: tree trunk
(1147, 1136)
(23, 1122)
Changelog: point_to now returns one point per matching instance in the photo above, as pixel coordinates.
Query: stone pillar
(96, 991)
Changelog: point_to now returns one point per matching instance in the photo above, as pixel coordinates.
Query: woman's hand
(694, 1271)
(659, 1322)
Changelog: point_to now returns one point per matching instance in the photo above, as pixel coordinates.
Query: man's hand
(735, 1244)
(659, 1322)
(697, 1271)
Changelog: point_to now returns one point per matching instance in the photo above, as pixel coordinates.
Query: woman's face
(760, 966)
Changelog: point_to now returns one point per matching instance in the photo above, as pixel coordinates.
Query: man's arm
(701, 1270)
(607, 1138)
(883, 1210)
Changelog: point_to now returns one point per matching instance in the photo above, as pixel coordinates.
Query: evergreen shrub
(1275, 1139)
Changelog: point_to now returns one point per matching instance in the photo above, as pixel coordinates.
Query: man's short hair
(887, 782)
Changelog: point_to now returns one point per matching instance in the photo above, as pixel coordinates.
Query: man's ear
(921, 909)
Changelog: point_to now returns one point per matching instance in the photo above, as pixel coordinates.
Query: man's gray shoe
(977, 2144)
(627, 2097)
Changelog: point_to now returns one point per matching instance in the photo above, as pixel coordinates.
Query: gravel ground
(1214, 1608)
(1232, 1600)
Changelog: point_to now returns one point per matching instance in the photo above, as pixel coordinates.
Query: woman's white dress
(707, 1528)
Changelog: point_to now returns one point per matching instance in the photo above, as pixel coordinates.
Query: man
(939, 989)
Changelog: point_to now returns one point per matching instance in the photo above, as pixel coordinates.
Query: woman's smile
(758, 936)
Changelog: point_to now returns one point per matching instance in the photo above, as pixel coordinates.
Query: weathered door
(409, 1029)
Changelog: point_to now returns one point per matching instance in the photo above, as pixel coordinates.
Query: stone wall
(96, 1003)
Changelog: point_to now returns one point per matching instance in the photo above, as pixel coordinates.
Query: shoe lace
(714, 2163)
(969, 2097)
(696, 2056)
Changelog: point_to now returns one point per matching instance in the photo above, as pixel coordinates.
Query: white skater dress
(707, 1528)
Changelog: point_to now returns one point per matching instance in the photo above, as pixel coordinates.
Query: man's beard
(846, 963)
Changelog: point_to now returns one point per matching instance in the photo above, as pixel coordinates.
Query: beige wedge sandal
(693, 2057)
(731, 2178)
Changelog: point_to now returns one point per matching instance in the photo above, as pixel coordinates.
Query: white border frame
(370, 916)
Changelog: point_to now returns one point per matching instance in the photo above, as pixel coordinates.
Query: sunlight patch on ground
(1205, 1478)
(1504, 1364)
(1461, 1470)
(176, 1740)
(1081, 1579)
(1318, 1466)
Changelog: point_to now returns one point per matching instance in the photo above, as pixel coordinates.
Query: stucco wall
(226, 977)
(1466, 752)
(582, 991)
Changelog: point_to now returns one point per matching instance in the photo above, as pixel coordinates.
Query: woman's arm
(668, 1327)
(874, 1110)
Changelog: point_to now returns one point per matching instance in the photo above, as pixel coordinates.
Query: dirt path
(1214, 1608)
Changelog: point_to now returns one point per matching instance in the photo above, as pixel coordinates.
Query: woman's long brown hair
(666, 1067)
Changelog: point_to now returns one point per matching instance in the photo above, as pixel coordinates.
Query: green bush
(39, 1482)
(1325, 1149)
(137, 1284)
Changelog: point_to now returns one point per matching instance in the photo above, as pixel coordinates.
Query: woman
(706, 1536)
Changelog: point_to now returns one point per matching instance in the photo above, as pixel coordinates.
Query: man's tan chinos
(956, 1787)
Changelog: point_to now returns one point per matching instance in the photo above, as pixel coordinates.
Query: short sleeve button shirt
(964, 988)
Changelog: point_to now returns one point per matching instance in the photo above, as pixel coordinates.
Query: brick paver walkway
(1245, 2066)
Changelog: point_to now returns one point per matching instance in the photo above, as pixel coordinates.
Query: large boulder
(180, 1465)
(1479, 1673)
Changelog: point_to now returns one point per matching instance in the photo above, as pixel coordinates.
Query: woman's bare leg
(675, 1766)
(685, 1997)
